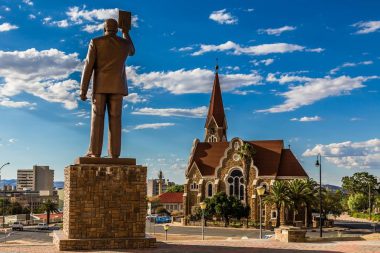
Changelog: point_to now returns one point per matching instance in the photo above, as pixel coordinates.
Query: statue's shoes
(91, 155)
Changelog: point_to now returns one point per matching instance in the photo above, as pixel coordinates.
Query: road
(209, 231)
(350, 229)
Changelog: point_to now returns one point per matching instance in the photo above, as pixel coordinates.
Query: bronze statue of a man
(106, 59)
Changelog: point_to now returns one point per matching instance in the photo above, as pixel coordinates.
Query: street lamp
(3, 192)
(318, 163)
(203, 207)
(260, 191)
(166, 228)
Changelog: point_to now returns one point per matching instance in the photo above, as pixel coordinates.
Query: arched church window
(236, 184)
(209, 190)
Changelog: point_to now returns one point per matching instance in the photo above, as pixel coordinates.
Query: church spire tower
(216, 123)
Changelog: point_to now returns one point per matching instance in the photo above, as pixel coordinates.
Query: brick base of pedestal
(65, 244)
(104, 206)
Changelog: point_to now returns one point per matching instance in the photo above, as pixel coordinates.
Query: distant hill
(58, 184)
(13, 182)
(331, 187)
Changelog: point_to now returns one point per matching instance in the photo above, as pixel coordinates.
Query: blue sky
(302, 71)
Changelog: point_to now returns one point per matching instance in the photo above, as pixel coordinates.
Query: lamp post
(3, 193)
(203, 207)
(369, 200)
(166, 228)
(318, 163)
(260, 191)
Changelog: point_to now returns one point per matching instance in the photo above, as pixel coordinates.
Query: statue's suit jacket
(106, 58)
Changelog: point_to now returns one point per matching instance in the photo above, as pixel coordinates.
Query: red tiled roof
(216, 108)
(267, 157)
(171, 197)
(42, 216)
(270, 158)
(207, 156)
(289, 165)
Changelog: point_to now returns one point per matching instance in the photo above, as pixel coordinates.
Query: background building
(40, 178)
(158, 186)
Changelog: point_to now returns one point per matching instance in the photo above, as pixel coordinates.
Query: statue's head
(110, 26)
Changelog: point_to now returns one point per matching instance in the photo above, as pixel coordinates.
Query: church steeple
(216, 123)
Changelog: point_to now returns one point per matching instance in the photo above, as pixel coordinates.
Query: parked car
(17, 226)
(151, 217)
(163, 219)
(42, 226)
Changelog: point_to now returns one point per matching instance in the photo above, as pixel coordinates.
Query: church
(215, 164)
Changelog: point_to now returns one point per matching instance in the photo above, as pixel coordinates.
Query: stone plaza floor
(40, 243)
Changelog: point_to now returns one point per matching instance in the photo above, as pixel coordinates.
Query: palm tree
(311, 198)
(298, 192)
(278, 196)
(246, 153)
(49, 207)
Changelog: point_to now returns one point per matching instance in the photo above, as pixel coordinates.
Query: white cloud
(315, 89)
(198, 112)
(28, 2)
(286, 78)
(31, 16)
(307, 119)
(353, 155)
(93, 28)
(263, 49)
(135, 98)
(365, 27)
(245, 92)
(153, 126)
(355, 119)
(277, 31)
(223, 17)
(44, 74)
(349, 64)
(63, 23)
(234, 68)
(265, 62)
(184, 49)
(5, 27)
(12, 140)
(6, 102)
(92, 20)
(80, 124)
(82, 114)
(189, 81)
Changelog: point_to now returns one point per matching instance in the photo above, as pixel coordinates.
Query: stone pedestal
(290, 234)
(104, 206)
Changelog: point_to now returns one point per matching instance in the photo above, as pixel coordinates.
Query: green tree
(223, 206)
(162, 210)
(360, 182)
(278, 197)
(332, 202)
(357, 202)
(154, 202)
(298, 193)
(175, 188)
(49, 207)
(311, 198)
